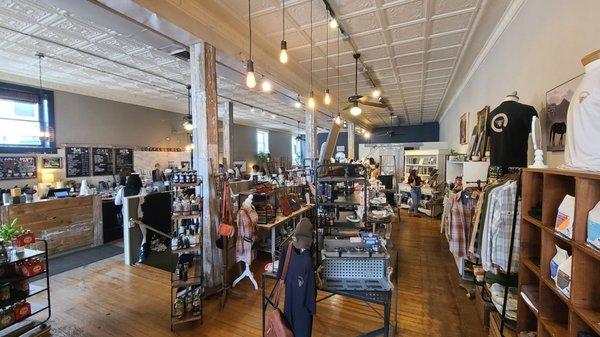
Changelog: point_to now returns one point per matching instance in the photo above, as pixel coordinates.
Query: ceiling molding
(509, 15)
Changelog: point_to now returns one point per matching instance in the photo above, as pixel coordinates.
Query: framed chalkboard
(123, 159)
(77, 161)
(102, 161)
(17, 168)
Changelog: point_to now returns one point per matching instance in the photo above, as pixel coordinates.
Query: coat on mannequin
(582, 150)
(246, 233)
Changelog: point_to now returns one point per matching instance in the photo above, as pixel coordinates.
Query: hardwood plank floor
(108, 298)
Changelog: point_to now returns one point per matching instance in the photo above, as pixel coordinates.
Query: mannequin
(582, 151)
(508, 127)
(247, 220)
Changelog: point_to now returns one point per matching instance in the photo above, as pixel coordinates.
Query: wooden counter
(67, 223)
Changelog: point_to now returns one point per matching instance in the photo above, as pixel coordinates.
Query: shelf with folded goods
(552, 286)
(187, 216)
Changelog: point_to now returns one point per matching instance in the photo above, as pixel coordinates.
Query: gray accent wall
(244, 144)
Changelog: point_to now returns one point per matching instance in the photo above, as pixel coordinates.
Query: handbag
(266, 188)
(277, 326)
(225, 226)
(284, 205)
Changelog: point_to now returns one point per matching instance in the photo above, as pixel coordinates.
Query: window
(26, 119)
(297, 150)
(262, 141)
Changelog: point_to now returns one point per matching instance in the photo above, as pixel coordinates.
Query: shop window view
(385, 184)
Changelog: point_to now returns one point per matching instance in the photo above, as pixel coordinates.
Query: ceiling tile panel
(407, 33)
(409, 47)
(404, 12)
(446, 40)
(449, 6)
(445, 53)
(363, 23)
(450, 23)
(345, 7)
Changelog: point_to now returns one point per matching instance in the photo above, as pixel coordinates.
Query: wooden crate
(549, 311)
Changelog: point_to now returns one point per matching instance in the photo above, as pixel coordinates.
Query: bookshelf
(542, 307)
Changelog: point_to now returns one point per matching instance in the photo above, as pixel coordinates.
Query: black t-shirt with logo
(508, 127)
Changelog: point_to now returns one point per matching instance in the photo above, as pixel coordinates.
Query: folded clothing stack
(497, 291)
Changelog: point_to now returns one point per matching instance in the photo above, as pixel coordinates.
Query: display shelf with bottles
(186, 243)
(561, 311)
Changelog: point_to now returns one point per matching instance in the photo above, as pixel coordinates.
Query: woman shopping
(415, 183)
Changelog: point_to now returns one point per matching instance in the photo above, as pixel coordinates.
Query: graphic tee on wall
(102, 161)
(77, 161)
(508, 127)
(123, 159)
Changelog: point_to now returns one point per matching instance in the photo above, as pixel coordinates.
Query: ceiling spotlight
(266, 86)
(333, 24)
(273, 116)
(297, 105)
(311, 100)
(367, 135)
(251, 109)
(375, 93)
(337, 120)
(356, 110)
(263, 112)
(327, 98)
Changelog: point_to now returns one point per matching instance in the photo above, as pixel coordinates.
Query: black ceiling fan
(357, 99)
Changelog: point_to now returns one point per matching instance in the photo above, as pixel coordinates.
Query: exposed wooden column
(311, 134)
(351, 140)
(203, 69)
(228, 135)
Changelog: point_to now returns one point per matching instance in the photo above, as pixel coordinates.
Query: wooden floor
(108, 298)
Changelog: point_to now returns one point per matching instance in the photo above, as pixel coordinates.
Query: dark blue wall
(427, 132)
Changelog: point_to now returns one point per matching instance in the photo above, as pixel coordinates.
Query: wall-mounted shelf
(558, 315)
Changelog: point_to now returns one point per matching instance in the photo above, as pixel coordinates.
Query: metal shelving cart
(191, 285)
(38, 287)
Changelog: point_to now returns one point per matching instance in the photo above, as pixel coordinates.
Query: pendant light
(187, 124)
(250, 79)
(44, 128)
(266, 86)
(327, 97)
(311, 97)
(283, 56)
(338, 119)
(356, 110)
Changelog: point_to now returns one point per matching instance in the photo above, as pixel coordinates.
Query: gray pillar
(351, 140)
(206, 151)
(228, 135)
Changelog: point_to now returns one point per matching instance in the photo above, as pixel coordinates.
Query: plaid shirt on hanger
(501, 227)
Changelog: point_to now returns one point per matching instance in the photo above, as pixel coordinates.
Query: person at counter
(376, 172)
(256, 171)
(132, 187)
(415, 183)
(157, 174)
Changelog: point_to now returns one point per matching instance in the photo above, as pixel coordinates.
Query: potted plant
(18, 236)
(453, 156)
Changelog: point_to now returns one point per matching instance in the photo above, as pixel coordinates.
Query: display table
(66, 224)
(388, 299)
(305, 210)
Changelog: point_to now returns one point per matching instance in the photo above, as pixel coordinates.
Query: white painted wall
(539, 50)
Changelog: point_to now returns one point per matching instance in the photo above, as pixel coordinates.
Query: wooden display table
(66, 224)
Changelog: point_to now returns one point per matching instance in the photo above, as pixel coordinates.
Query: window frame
(266, 143)
(45, 118)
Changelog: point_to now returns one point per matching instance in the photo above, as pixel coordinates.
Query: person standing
(415, 183)
(157, 173)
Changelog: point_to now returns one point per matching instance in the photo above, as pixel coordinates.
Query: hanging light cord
(327, 51)
(338, 73)
(311, 43)
(283, 20)
(355, 76)
(250, 28)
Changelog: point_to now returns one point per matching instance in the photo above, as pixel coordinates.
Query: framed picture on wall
(462, 132)
(52, 163)
(558, 100)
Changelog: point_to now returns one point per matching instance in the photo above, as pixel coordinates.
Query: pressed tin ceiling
(84, 57)
(410, 47)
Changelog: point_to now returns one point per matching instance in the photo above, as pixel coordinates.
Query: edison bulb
(188, 126)
(250, 80)
(376, 93)
(367, 135)
(327, 98)
(337, 120)
(283, 56)
(311, 101)
(266, 86)
(356, 110)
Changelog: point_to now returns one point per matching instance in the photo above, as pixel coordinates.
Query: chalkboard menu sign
(123, 159)
(17, 168)
(102, 161)
(77, 161)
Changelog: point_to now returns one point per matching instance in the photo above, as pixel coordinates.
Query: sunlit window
(262, 141)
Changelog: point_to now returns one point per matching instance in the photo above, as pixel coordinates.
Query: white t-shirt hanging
(582, 150)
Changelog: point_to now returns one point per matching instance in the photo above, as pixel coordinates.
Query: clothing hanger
(591, 57)
(512, 97)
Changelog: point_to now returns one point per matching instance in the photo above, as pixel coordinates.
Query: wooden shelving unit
(542, 306)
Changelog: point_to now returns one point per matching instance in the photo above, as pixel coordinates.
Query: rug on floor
(66, 262)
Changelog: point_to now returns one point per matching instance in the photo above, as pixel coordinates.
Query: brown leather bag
(284, 205)
(277, 326)
(225, 226)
